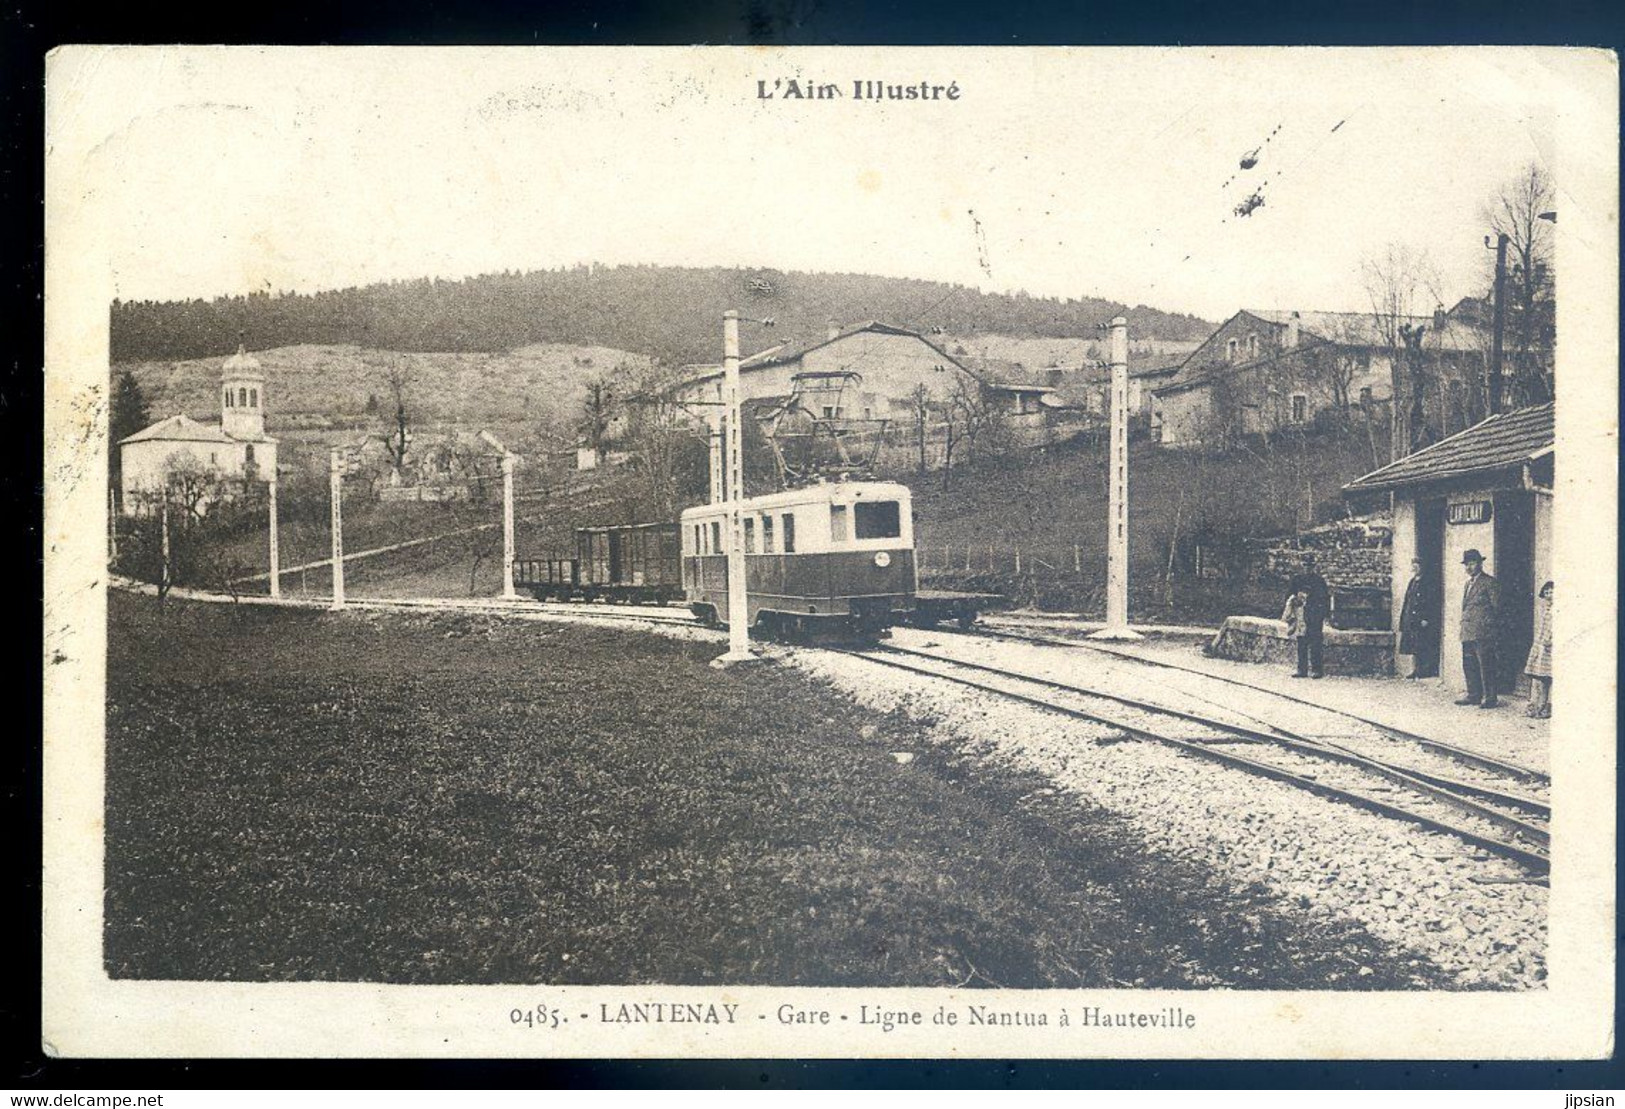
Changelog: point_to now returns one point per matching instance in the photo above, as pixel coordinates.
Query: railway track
(487, 605)
(1496, 818)
(527, 607)
(1491, 768)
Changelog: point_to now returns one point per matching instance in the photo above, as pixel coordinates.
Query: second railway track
(1497, 818)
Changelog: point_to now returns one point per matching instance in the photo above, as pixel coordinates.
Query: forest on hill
(668, 313)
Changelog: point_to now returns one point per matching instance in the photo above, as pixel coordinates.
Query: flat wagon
(626, 563)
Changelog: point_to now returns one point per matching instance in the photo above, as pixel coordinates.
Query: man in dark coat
(1316, 607)
(1480, 610)
(1419, 624)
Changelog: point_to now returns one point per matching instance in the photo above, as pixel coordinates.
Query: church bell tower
(242, 397)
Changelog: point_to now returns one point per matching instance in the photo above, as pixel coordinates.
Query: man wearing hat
(1480, 606)
(1316, 607)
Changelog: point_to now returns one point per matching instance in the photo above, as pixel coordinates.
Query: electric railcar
(836, 558)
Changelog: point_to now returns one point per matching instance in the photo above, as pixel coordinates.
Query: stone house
(874, 371)
(1262, 372)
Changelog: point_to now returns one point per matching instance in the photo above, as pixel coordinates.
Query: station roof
(1501, 442)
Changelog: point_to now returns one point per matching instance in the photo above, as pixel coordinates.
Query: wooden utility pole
(1117, 478)
(1498, 338)
(276, 554)
(335, 479)
(507, 526)
(163, 546)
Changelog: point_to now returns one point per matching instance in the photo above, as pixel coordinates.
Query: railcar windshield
(876, 520)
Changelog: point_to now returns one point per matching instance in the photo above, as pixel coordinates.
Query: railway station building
(1488, 488)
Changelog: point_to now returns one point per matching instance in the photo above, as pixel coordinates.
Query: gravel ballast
(1474, 916)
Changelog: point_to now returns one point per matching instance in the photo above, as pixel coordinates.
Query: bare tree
(666, 451)
(1401, 284)
(596, 412)
(920, 405)
(1521, 211)
(979, 419)
(397, 437)
(469, 474)
(190, 531)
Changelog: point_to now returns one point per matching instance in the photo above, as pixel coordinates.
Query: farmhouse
(180, 448)
(875, 371)
(1089, 390)
(1263, 371)
(890, 364)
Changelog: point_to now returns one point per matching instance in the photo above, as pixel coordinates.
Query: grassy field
(316, 386)
(296, 795)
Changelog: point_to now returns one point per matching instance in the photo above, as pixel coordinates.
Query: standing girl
(1539, 664)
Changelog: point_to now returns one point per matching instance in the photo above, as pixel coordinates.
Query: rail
(1531, 852)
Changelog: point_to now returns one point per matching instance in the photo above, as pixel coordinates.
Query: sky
(1110, 172)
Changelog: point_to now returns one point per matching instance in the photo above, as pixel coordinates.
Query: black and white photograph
(830, 552)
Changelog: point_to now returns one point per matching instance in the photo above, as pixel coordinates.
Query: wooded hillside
(668, 313)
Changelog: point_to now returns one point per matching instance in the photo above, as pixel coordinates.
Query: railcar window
(837, 523)
(767, 535)
(877, 520)
(716, 536)
(750, 535)
(789, 534)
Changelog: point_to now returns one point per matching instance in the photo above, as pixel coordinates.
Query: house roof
(793, 351)
(1318, 329)
(1004, 373)
(1360, 329)
(184, 429)
(1503, 441)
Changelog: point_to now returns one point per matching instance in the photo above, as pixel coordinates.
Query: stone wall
(1351, 553)
(1354, 556)
(1254, 639)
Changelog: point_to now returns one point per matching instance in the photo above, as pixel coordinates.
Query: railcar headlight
(882, 559)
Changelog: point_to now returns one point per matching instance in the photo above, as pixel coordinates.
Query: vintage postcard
(823, 552)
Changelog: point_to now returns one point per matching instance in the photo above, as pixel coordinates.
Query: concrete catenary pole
(733, 450)
(335, 478)
(276, 553)
(507, 526)
(1117, 506)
